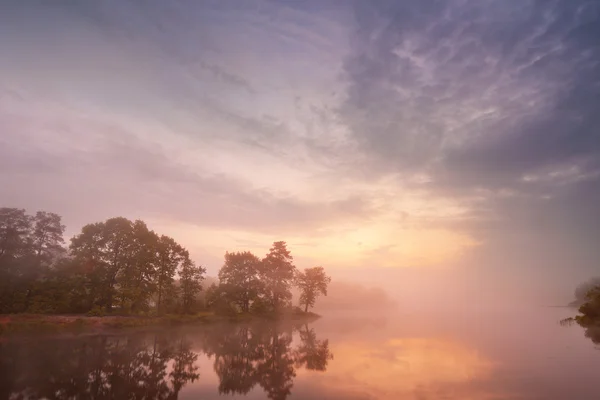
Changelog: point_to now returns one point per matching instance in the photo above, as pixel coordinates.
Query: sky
(448, 147)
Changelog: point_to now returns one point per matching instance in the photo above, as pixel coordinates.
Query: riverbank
(34, 323)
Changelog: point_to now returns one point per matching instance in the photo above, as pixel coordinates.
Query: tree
(15, 227)
(312, 283)
(47, 236)
(240, 278)
(190, 280)
(584, 288)
(169, 256)
(277, 274)
(105, 250)
(28, 247)
(15, 252)
(47, 244)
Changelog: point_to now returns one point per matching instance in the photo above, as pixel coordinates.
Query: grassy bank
(34, 323)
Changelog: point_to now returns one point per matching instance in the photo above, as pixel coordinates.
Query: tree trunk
(306, 307)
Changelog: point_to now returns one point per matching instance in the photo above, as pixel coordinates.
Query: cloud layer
(392, 129)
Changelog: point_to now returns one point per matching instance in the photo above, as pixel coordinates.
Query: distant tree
(47, 236)
(15, 248)
(190, 281)
(15, 228)
(590, 309)
(29, 245)
(47, 246)
(312, 283)
(277, 274)
(240, 278)
(584, 288)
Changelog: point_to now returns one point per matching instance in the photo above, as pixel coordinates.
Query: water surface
(467, 354)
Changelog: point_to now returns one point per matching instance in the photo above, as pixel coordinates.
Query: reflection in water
(246, 356)
(402, 367)
(100, 367)
(159, 365)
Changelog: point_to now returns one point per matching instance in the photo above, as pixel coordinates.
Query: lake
(465, 354)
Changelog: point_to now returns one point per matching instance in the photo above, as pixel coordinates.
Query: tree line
(122, 266)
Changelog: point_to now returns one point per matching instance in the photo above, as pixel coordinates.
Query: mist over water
(463, 354)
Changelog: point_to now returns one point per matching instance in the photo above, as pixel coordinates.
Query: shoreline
(42, 323)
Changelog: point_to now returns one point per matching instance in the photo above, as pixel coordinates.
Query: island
(120, 273)
(589, 313)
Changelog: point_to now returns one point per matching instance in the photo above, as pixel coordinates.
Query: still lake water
(467, 355)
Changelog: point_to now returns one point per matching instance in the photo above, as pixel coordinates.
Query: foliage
(29, 247)
(312, 283)
(190, 279)
(277, 273)
(119, 266)
(584, 288)
(239, 276)
(590, 310)
(589, 317)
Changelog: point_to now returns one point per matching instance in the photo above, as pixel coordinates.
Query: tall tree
(312, 283)
(47, 236)
(15, 228)
(277, 273)
(135, 281)
(240, 278)
(47, 247)
(169, 256)
(15, 257)
(190, 281)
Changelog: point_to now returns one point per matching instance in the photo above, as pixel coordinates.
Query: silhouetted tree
(190, 281)
(170, 256)
(277, 273)
(584, 288)
(240, 278)
(312, 283)
(29, 246)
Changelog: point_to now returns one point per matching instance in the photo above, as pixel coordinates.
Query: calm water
(499, 354)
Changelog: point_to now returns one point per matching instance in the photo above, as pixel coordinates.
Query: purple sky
(420, 145)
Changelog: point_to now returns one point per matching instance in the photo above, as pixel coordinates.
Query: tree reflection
(312, 354)
(99, 367)
(263, 355)
(158, 366)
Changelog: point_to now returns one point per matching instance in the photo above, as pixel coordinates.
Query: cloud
(494, 102)
(386, 123)
(112, 172)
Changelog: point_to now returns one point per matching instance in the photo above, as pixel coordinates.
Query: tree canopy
(114, 265)
(122, 266)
